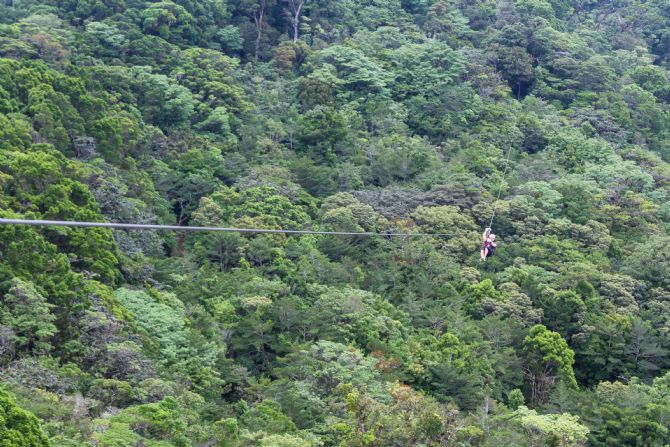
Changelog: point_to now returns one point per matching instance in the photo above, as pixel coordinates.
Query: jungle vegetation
(342, 115)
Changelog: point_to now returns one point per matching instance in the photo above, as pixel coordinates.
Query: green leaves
(548, 358)
(27, 314)
(262, 206)
(351, 315)
(167, 20)
(165, 324)
(622, 424)
(161, 423)
(649, 263)
(18, 428)
(356, 72)
(564, 429)
(383, 116)
(424, 69)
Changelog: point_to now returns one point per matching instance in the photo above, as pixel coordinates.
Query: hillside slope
(340, 115)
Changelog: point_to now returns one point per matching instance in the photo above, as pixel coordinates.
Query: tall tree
(259, 15)
(295, 12)
(548, 359)
(258, 9)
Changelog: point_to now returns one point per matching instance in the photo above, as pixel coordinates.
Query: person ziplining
(488, 238)
(488, 244)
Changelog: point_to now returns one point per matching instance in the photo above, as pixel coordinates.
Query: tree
(258, 10)
(343, 212)
(111, 392)
(650, 264)
(168, 20)
(267, 417)
(516, 66)
(445, 22)
(449, 220)
(630, 413)
(162, 322)
(351, 71)
(396, 158)
(254, 339)
(321, 129)
(562, 311)
(295, 9)
(163, 422)
(600, 346)
(548, 359)
(410, 419)
(425, 69)
(212, 77)
(325, 365)
(28, 314)
(562, 430)
(645, 353)
(19, 428)
(511, 302)
(285, 441)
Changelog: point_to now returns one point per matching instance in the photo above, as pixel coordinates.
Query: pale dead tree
(295, 8)
(259, 16)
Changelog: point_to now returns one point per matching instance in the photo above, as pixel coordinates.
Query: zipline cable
(500, 186)
(128, 226)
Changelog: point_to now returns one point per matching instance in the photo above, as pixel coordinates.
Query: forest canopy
(398, 116)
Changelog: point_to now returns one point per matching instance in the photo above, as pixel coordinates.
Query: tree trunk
(296, 10)
(296, 23)
(258, 20)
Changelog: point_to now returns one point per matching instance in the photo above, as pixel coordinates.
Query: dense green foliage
(18, 428)
(342, 115)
